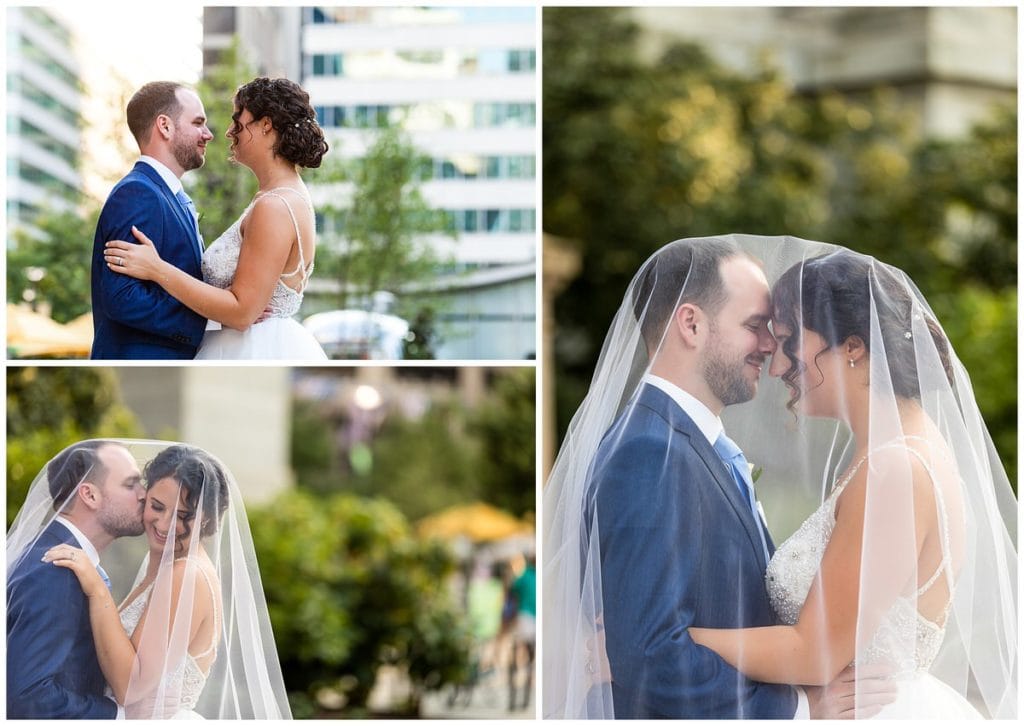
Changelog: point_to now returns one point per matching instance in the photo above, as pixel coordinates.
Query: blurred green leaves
(350, 589)
(639, 153)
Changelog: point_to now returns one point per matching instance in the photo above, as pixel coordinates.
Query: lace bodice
(185, 683)
(221, 260)
(792, 569)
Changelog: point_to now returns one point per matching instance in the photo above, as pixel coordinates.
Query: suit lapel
(659, 401)
(183, 215)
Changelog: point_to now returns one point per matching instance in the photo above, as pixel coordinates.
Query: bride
(192, 638)
(887, 569)
(907, 566)
(252, 289)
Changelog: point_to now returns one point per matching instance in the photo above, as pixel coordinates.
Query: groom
(52, 667)
(135, 318)
(681, 541)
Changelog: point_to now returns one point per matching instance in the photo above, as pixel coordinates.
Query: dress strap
(301, 268)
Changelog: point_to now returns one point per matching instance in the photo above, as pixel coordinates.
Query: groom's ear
(690, 322)
(89, 494)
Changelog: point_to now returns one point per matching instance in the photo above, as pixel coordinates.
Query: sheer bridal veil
(204, 642)
(937, 585)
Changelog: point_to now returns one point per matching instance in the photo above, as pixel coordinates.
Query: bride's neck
(277, 174)
(908, 419)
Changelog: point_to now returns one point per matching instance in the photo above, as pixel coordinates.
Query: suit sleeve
(45, 626)
(143, 304)
(656, 550)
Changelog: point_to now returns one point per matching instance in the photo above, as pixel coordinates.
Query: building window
(491, 221)
(504, 114)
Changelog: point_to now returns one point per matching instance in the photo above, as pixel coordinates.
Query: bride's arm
(114, 649)
(824, 639)
(268, 240)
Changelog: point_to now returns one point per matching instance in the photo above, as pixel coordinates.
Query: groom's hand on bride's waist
(857, 692)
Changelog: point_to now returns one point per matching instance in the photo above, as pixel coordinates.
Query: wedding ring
(120, 261)
(590, 666)
(73, 555)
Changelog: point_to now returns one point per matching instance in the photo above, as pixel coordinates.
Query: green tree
(349, 590)
(640, 153)
(506, 426)
(61, 246)
(221, 188)
(380, 245)
(51, 408)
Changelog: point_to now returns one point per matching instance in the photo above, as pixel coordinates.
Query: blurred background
(426, 216)
(392, 511)
(891, 131)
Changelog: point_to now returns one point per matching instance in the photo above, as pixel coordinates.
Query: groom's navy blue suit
(52, 670)
(136, 318)
(679, 548)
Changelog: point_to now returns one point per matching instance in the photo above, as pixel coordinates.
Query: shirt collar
(173, 182)
(709, 424)
(83, 541)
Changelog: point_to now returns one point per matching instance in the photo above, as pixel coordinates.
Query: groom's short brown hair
(153, 99)
(686, 271)
(70, 467)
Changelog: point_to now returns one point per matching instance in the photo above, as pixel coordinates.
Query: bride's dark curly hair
(203, 479)
(833, 296)
(300, 139)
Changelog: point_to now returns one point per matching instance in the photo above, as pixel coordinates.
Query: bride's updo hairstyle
(300, 139)
(833, 295)
(202, 478)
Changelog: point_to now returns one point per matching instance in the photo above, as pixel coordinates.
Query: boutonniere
(755, 472)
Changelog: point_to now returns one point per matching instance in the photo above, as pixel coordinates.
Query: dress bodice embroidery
(185, 683)
(792, 569)
(220, 261)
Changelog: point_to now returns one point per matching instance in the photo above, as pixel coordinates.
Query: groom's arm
(656, 562)
(142, 304)
(42, 627)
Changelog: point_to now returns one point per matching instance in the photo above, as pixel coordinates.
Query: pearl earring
(852, 364)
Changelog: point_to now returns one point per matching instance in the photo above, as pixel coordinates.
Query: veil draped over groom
(796, 456)
(209, 556)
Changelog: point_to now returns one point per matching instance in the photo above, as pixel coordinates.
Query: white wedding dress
(184, 684)
(280, 336)
(789, 577)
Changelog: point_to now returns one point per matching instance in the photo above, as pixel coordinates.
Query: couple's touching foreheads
(817, 377)
(163, 526)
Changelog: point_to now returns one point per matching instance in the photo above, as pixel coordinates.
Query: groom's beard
(121, 524)
(187, 154)
(726, 378)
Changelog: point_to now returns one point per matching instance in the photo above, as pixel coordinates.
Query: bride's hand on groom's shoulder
(75, 559)
(857, 692)
(140, 260)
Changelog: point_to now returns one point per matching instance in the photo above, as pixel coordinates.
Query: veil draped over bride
(223, 667)
(935, 575)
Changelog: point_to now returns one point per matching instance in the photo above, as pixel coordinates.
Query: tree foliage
(380, 245)
(637, 154)
(221, 188)
(51, 408)
(349, 590)
(62, 247)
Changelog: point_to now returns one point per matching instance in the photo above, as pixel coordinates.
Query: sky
(122, 46)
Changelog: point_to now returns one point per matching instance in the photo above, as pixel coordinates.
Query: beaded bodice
(184, 684)
(792, 569)
(220, 261)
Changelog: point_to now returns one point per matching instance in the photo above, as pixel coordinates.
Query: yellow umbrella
(33, 335)
(478, 521)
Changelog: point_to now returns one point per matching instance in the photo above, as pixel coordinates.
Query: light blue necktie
(190, 207)
(733, 457)
(103, 576)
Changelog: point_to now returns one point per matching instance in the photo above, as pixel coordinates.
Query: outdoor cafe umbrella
(478, 522)
(34, 335)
